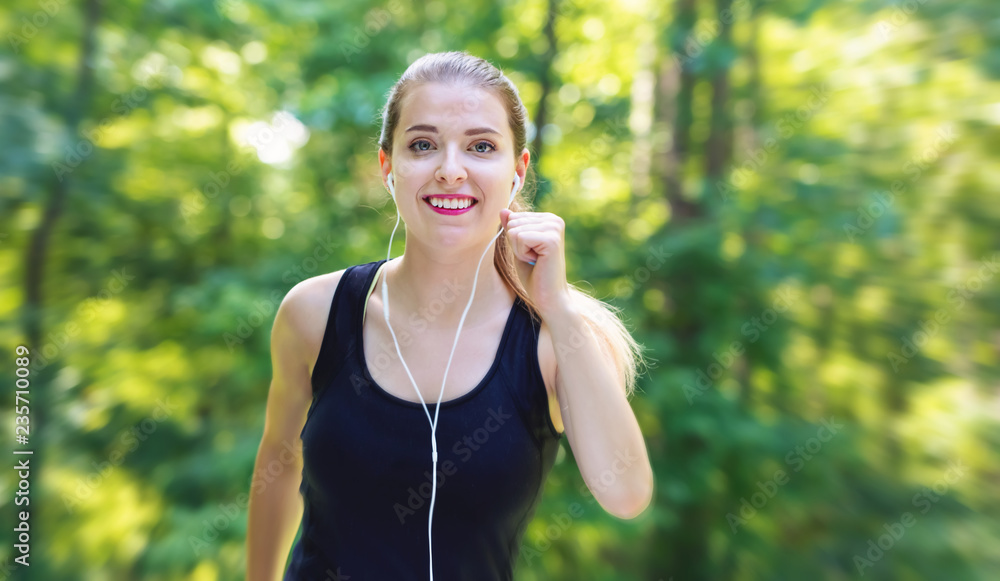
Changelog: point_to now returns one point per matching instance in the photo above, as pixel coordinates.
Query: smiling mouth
(450, 203)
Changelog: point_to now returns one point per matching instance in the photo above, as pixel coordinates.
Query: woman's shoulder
(310, 299)
(307, 310)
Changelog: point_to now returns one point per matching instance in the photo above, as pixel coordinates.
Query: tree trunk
(677, 81)
(718, 149)
(643, 97)
(541, 117)
(689, 554)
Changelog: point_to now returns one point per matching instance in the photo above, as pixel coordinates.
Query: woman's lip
(447, 211)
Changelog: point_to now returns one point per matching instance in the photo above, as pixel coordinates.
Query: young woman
(420, 437)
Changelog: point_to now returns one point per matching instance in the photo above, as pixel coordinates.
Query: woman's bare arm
(275, 509)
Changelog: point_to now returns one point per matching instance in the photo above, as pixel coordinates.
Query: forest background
(793, 202)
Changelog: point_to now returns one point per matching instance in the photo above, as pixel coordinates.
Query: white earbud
(392, 188)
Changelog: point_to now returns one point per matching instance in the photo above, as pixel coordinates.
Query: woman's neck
(437, 288)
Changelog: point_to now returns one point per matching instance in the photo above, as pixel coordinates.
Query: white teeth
(451, 204)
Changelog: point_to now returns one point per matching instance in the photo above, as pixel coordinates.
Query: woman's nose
(451, 168)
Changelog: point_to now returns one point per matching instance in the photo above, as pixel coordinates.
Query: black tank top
(366, 478)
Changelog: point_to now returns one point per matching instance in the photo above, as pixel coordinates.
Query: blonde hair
(461, 68)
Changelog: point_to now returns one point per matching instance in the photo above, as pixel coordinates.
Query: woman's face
(451, 143)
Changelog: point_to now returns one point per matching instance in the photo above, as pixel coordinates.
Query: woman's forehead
(451, 107)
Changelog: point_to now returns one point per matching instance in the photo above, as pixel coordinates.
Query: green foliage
(839, 271)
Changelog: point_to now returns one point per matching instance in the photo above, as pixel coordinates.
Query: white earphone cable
(437, 409)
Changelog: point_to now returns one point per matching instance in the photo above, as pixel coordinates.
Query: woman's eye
(480, 147)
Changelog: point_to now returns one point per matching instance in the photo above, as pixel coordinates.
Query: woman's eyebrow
(432, 129)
